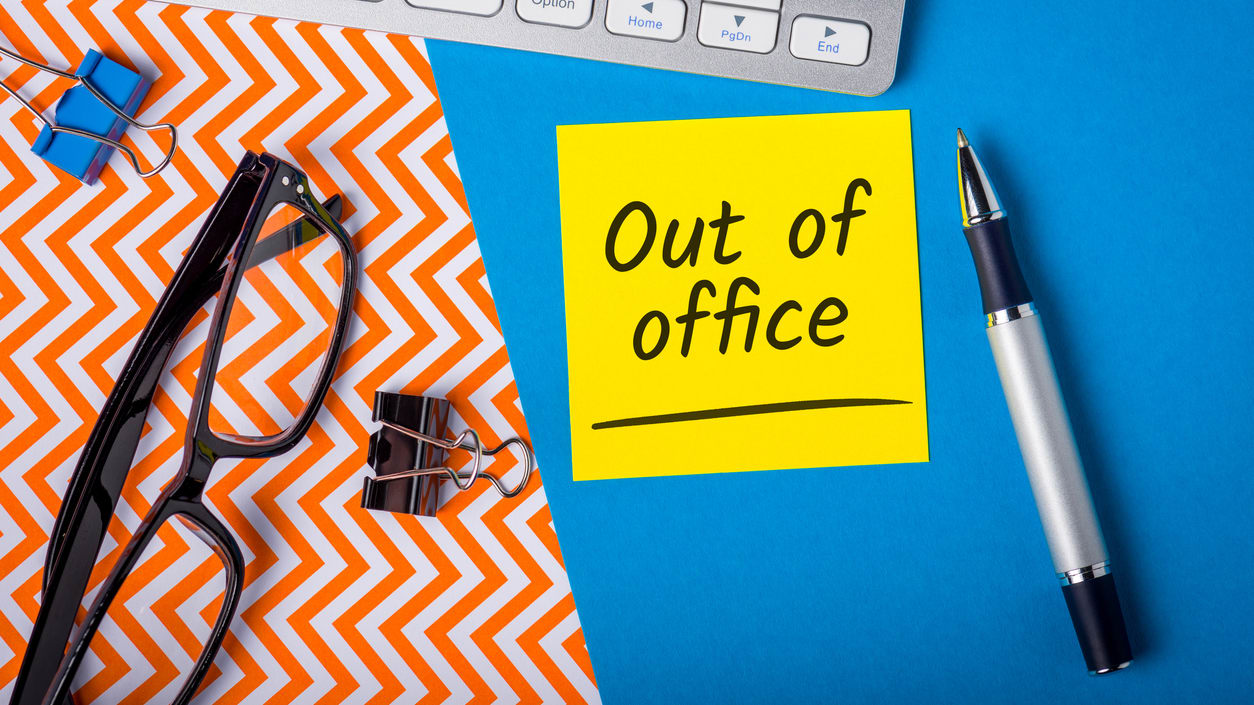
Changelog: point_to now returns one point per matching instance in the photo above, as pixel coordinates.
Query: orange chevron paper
(339, 604)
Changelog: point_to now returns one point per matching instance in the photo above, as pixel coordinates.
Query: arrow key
(737, 28)
(759, 4)
(830, 40)
(657, 19)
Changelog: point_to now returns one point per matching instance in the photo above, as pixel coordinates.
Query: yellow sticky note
(742, 294)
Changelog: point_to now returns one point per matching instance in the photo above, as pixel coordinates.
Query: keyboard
(848, 46)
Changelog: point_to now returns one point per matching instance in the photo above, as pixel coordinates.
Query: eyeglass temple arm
(123, 445)
(90, 500)
(61, 593)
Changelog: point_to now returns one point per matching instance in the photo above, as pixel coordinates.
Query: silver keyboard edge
(506, 29)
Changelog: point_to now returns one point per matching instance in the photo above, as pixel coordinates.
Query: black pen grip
(1098, 620)
(1002, 285)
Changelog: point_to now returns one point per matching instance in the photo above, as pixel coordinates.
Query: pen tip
(962, 139)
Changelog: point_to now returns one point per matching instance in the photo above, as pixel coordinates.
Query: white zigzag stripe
(552, 644)
(446, 277)
(472, 518)
(415, 630)
(516, 520)
(424, 573)
(217, 103)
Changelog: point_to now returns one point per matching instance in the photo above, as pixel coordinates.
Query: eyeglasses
(283, 271)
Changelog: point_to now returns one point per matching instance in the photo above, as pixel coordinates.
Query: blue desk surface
(1120, 137)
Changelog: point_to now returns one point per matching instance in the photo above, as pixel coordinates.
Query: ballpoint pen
(1041, 424)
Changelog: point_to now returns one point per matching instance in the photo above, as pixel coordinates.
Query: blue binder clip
(91, 117)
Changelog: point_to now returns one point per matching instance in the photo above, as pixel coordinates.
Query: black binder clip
(409, 453)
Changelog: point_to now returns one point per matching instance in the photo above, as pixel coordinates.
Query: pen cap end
(1099, 624)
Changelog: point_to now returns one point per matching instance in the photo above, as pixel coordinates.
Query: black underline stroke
(747, 410)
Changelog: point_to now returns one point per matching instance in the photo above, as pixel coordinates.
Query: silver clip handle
(475, 446)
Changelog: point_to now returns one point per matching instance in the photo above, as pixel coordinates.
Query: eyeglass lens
(279, 330)
(145, 625)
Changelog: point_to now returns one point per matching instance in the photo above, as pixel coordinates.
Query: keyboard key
(563, 13)
(737, 28)
(467, 7)
(762, 4)
(678, 36)
(651, 19)
(834, 41)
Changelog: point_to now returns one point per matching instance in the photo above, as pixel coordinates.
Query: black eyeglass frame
(212, 265)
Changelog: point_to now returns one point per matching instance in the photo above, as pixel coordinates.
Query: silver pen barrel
(1046, 441)
(1041, 424)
